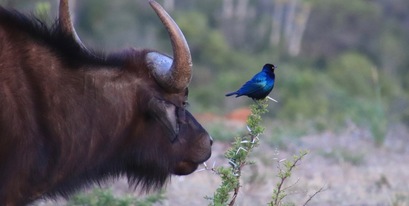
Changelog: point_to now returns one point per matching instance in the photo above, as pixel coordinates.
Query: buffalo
(71, 116)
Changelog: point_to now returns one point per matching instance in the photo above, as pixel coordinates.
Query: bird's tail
(230, 94)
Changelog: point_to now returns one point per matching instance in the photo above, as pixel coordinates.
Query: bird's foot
(256, 101)
(262, 104)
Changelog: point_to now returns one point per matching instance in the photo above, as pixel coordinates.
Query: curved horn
(65, 21)
(175, 77)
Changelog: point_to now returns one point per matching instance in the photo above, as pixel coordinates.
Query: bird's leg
(257, 102)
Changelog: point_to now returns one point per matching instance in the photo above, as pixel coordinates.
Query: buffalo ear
(165, 113)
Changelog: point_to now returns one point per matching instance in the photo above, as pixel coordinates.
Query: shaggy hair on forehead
(76, 56)
(56, 39)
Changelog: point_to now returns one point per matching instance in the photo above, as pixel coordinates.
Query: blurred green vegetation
(105, 197)
(338, 61)
(343, 155)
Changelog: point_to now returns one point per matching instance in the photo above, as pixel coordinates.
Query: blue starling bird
(259, 86)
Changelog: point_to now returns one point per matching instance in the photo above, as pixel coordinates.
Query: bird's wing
(257, 83)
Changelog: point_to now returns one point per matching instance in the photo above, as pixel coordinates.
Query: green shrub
(104, 197)
(238, 158)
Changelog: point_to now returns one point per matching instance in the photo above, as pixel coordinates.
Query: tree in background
(312, 42)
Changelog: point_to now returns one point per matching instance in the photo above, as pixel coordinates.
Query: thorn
(248, 128)
(241, 148)
(254, 139)
(271, 99)
(201, 170)
(234, 164)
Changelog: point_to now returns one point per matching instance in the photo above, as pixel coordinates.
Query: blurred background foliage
(339, 61)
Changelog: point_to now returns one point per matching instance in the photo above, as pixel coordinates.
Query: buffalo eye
(185, 104)
(181, 115)
(166, 114)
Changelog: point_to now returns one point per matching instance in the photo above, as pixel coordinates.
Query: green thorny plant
(105, 197)
(279, 192)
(237, 156)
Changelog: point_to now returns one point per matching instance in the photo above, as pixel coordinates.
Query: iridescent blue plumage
(259, 86)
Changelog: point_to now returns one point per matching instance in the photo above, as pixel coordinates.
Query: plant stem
(237, 156)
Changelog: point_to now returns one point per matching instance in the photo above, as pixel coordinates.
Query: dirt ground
(350, 167)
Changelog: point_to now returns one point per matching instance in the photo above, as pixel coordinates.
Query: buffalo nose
(211, 140)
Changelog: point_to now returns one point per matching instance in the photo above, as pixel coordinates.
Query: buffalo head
(70, 116)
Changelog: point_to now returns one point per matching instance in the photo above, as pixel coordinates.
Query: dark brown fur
(70, 117)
